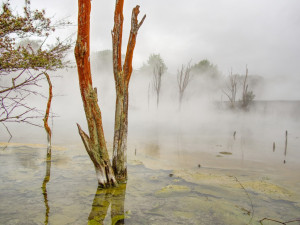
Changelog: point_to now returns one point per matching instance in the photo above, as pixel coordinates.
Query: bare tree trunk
(95, 144)
(231, 89)
(46, 126)
(157, 75)
(120, 135)
(183, 79)
(122, 77)
(245, 89)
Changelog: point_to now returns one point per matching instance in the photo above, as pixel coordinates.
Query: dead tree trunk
(245, 89)
(46, 126)
(231, 89)
(183, 79)
(122, 77)
(95, 144)
(157, 75)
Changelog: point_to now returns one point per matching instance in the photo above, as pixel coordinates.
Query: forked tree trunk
(95, 144)
(122, 77)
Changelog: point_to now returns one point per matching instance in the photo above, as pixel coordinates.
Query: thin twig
(252, 208)
(277, 221)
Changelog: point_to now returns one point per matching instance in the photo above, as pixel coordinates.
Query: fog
(232, 34)
(263, 35)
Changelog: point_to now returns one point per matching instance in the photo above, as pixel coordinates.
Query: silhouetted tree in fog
(230, 89)
(157, 75)
(206, 69)
(183, 79)
(153, 61)
(247, 96)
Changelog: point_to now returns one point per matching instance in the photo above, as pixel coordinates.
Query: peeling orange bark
(122, 77)
(46, 126)
(94, 143)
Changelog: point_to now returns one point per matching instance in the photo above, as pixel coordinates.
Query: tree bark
(46, 126)
(122, 77)
(95, 144)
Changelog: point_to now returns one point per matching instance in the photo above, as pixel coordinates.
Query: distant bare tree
(247, 96)
(183, 79)
(157, 74)
(231, 89)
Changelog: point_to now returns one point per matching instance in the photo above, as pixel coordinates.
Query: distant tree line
(235, 87)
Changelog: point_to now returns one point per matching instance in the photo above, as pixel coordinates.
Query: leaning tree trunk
(46, 126)
(122, 77)
(95, 144)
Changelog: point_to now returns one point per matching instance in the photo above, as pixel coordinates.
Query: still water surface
(213, 170)
(190, 187)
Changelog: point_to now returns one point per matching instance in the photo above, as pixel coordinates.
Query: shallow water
(188, 168)
(156, 192)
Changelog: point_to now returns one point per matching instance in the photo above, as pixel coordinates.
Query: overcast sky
(264, 34)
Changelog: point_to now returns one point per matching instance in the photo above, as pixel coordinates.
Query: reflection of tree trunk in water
(285, 146)
(100, 206)
(117, 205)
(242, 148)
(44, 187)
(103, 198)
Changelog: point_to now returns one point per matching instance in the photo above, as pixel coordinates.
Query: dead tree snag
(46, 126)
(95, 144)
(122, 76)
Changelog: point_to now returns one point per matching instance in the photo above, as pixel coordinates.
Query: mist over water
(199, 163)
(204, 124)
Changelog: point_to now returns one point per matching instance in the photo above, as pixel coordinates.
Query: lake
(225, 168)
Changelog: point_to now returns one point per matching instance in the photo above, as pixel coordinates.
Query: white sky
(264, 34)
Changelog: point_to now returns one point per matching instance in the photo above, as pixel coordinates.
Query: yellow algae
(185, 215)
(265, 187)
(173, 189)
(202, 177)
(259, 186)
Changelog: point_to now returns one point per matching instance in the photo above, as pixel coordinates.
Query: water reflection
(113, 197)
(285, 146)
(44, 187)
